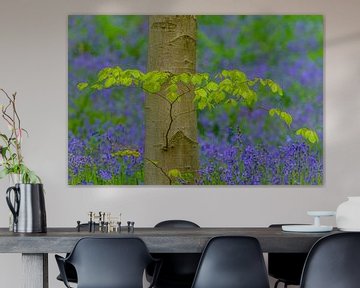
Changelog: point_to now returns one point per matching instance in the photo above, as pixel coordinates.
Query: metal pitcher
(28, 207)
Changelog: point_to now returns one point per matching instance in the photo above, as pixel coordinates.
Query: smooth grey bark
(172, 48)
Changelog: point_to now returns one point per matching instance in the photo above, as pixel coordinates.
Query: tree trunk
(172, 48)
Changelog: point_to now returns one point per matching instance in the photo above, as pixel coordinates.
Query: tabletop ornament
(104, 222)
(315, 227)
(25, 197)
(348, 214)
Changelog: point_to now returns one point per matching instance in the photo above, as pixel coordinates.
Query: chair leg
(278, 282)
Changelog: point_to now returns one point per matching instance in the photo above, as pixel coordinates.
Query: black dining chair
(286, 267)
(178, 269)
(108, 263)
(333, 262)
(70, 271)
(232, 262)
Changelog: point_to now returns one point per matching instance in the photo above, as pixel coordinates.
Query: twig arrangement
(11, 157)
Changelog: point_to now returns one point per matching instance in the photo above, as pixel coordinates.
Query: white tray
(306, 228)
(350, 229)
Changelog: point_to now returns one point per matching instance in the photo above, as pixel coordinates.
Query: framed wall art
(195, 100)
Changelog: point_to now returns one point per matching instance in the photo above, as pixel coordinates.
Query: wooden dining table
(35, 247)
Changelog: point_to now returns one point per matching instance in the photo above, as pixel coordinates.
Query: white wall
(33, 62)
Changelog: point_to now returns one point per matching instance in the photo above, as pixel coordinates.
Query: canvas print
(195, 100)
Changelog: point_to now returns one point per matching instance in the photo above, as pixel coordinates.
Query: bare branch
(161, 169)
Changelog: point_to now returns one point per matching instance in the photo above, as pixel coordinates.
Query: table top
(158, 240)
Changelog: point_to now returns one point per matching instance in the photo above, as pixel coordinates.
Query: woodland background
(237, 145)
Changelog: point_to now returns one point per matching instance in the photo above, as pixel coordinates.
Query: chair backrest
(333, 262)
(176, 224)
(232, 262)
(110, 262)
(286, 267)
(178, 269)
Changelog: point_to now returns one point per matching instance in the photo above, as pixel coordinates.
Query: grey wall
(33, 62)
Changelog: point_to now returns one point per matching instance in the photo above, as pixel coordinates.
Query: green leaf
(125, 81)
(116, 71)
(202, 104)
(3, 151)
(201, 97)
(185, 78)
(241, 88)
(275, 88)
(4, 137)
(172, 88)
(253, 82)
(226, 85)
(286, 117)
(239, 75)
(152, 87)
(197, 79)
(104, 73)
(212, 86)
(234, 75)
(272, 86)
(218, 97)
(155, 79)
(201, 93)
(82, 85)
(225, 73)
(135, 73)
(127, 152)
(274, 111)
(250, 98)
(97, 86)
(172, 96)
(308, 134)
(174, 173)
(109, 82)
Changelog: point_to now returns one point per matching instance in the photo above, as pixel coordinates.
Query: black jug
(28, 208)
